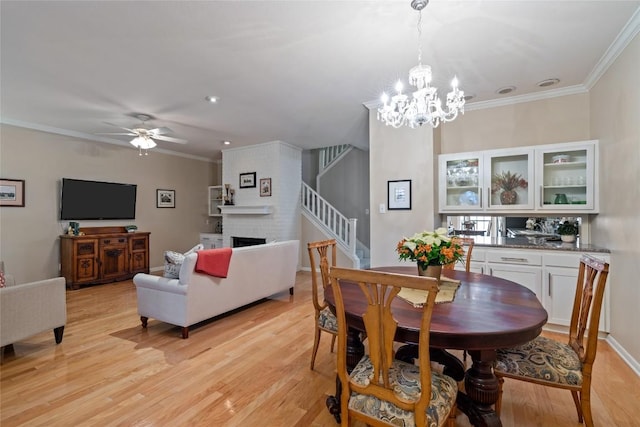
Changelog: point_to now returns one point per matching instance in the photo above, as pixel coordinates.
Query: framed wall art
(248, 180)
(265, 187)
(12, 192)
(399, 194)
(165, 198)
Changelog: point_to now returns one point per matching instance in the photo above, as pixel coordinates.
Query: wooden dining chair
(568, 366)
(382, 390)
(325, 320)
(466, 242)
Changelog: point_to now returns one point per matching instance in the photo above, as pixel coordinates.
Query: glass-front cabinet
(509, 179)
(489, 180)
(461, 181)
(554, 178)
(567, 174)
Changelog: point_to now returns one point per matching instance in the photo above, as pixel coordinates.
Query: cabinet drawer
(562, 260)
(113, 241)
(514, 257)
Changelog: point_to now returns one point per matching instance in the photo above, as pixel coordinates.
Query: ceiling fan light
(143, 143)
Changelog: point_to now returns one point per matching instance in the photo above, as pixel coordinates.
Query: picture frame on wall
(248, 180)
(265, 187)
(165, 198)
(12, 192)
(399, 194)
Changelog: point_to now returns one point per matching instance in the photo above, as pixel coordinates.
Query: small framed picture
(399, 194)
(165, 198)
(265, 187)
(12, 192)
(248, 180)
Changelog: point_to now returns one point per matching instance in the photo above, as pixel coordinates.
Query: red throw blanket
(214, 262)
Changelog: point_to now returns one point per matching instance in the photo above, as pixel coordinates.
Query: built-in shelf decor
(246, 210)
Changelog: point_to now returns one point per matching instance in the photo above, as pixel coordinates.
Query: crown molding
(630, 30)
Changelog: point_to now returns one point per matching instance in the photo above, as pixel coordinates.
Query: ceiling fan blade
(130, 130)
(168, 138)
(116, 133)
(160, 131)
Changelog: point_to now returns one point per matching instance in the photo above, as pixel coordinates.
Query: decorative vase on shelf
(431, 271)
(508, 197)
(568, 238)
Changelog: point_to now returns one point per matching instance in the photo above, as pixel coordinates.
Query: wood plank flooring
(250, 368)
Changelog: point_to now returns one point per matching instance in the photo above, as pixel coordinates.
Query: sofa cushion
(173, 261)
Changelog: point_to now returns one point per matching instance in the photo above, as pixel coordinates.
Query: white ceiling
(294, 71)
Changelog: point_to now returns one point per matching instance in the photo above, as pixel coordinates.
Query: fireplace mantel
(246, 210)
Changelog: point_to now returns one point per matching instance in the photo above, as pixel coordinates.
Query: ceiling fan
(144, 134)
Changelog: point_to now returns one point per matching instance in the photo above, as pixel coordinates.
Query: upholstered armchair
(30, 308)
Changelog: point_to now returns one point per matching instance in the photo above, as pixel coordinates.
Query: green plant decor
(567, 229)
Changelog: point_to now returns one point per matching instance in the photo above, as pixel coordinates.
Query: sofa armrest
(30, 308)
(159, 283)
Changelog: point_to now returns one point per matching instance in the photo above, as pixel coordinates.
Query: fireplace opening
(237, 242)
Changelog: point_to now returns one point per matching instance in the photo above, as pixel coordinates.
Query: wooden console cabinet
(103, 254)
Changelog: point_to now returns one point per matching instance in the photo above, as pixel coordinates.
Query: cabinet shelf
(564, 186)
(565, 164)
(246, 210)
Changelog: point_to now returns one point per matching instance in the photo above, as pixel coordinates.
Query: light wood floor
(247, 369)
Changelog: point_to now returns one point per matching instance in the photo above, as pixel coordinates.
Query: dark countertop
(535, 243)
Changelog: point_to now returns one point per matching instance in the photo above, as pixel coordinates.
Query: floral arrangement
(430, 248)
(507, 181)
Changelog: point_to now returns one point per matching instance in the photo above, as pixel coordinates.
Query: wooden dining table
(487, 313)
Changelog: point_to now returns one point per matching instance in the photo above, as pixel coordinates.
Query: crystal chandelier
(425, 105)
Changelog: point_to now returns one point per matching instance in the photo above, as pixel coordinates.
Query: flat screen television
(95, 200)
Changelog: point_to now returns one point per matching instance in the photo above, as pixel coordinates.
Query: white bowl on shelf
(561, 158)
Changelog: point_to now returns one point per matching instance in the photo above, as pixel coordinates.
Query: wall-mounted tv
(95, 200)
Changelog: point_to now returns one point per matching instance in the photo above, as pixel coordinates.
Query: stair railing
(343, 229)
(329, 154)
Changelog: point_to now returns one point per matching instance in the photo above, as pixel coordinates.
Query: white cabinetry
(477, 261)
(556, 178)
(560, 275)
(211, 240)
(465, 180)
(552, 275)
(566, 176)
(520, 267)
(214, 202)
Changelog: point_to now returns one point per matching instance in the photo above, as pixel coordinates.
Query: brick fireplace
(272, 218)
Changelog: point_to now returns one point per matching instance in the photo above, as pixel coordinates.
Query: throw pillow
(173, 261)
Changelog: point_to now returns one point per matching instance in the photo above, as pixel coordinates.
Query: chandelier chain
(419, 26)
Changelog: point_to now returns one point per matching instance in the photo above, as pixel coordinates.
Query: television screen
(97, 200)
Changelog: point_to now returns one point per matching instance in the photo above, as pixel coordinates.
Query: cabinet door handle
(480, 198)
(506, 258)
(549, 286)
(488, 197)
(541, 196)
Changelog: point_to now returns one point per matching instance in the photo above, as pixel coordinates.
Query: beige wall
(562, 119)
(615, 121)
(398, 154)
(29, 243)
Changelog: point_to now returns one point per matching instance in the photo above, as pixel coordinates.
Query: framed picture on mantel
(248, 180)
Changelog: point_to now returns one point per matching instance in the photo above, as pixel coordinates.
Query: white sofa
(255, 272)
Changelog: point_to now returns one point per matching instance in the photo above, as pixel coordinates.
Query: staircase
(329, 219)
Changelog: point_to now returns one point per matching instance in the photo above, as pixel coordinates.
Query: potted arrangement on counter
(567, 232)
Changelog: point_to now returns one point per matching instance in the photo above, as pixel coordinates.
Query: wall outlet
(383, 208)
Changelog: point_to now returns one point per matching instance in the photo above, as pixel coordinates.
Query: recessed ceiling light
(226, 142)
(212, 99)
(505, 90)
(469, 96)
(548, 82)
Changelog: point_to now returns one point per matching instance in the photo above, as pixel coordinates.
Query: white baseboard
(633, 363)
